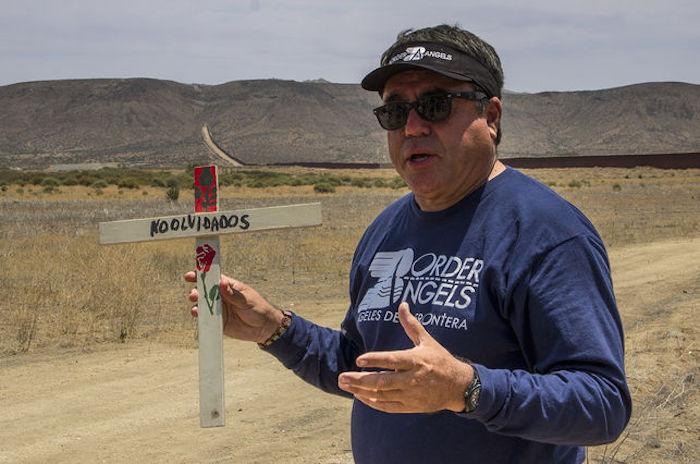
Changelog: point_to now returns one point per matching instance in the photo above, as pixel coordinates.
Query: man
(482, 324)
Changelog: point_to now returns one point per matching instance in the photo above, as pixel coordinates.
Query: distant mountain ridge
(144, 122)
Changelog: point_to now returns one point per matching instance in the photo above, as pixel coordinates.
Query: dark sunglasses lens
(393, 115)
(434, 108)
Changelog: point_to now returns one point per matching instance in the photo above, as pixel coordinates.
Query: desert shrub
(324, 187)
(100, 184)
(616, 187)
(264, 179)
(173, 192)
(128, 183)
(137, 178)
(229, 177)
(36, 178)
(333, 180)
(49, 182)
(574, 184)
(308, 179)
(361, 182)
(69, 180)
(397, 183)
(86, 179)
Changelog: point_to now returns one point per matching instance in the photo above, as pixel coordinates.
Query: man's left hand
(425, 378)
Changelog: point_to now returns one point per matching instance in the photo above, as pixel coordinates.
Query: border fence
(662, 161)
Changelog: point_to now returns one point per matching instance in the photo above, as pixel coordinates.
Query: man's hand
(426, 378)
(246, 314)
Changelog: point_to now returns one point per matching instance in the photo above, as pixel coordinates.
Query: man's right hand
(246, 314)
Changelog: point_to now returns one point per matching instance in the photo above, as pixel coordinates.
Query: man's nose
(415, 125)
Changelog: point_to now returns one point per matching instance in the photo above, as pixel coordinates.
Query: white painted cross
(206, 224)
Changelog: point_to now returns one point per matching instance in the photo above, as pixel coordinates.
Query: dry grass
(59, 288)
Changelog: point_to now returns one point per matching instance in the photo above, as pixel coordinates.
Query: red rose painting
(205, 256)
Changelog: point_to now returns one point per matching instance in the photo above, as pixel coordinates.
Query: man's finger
(191, 276)
(412, 326)
(397, 360)
(374, 384)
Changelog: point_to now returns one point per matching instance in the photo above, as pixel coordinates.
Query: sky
(555, 45)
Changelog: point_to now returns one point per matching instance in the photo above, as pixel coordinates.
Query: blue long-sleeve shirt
(514, 279)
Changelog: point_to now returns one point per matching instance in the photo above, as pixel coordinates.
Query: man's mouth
(419, 157)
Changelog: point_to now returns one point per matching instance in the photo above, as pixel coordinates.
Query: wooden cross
(206, 224)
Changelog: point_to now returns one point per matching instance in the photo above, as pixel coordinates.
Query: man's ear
(493, 116)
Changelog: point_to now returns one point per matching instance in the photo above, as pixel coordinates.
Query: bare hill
(642, 118)
(148, 122)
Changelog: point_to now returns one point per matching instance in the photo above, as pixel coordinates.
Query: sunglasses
(432, 108)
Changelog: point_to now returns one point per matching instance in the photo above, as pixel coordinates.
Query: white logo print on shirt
(389, 267)
(439, 280)
(431, 280)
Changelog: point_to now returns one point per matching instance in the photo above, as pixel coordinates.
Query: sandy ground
(138, 402)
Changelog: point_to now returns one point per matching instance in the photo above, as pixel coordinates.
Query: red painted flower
(205, 256)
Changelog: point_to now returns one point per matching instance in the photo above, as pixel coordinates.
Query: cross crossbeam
(204, 224)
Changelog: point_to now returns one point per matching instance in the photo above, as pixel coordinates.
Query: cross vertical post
(210, 320)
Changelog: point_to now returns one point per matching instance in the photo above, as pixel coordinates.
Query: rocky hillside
(155, 123)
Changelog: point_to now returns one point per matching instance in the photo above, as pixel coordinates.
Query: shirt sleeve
(564, 315)
(316, 354)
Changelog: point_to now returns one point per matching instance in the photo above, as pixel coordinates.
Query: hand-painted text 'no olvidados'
(199, 223)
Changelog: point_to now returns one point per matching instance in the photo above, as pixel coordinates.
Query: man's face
(443, 161)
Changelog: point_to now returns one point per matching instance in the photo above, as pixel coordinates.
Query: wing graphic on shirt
(388, 267)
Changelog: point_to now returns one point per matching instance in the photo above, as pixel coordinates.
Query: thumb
(231, 289)
(412, 326)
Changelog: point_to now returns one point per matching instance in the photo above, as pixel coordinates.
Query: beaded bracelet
(286, 321)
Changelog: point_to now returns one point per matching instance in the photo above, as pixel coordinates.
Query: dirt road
(138, 402)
